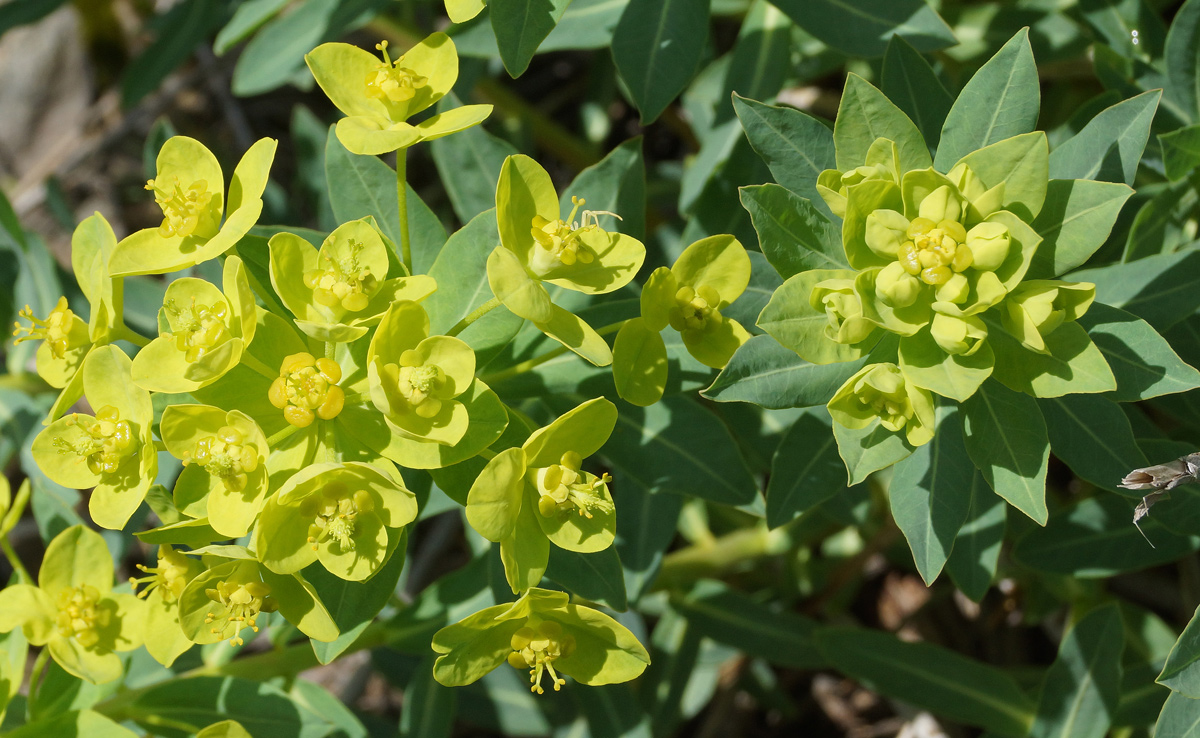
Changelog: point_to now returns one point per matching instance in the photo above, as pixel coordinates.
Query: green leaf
(805, 470)
(597, 577)
(1083, 685)
(180, 30)
(869, 449)
(1110, 146)
(468, 164)
(930, 494)
(1002, 100)
(765, 373)
(639, 363)
(521, 26)
(22, 12)
(612, 711)
(1074, 363)
(1092, 435)
(757, 629)
(865, 115)
(363, 185)
(1180, 717)
(864, 27)
(645, 530)
(248, 18)
(791, 319)
(1074, 222)
(617, 184)
(677, 446)
(793, 234)
(930, 677)
(1161, 289)
(796, 146)
(354, 605)
(909, 81)
(1180, 151)
(1006, 438)
(1181, 673)
(587, 24)
(657, 47)
(1096, 538)
(972, 563)
(81, 724)
(1182, 60)
(429, 708)
(1161, 223)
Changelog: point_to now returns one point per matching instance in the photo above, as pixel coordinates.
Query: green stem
(39, 666)
(528, 364)
(402, 205)
(474, 315)
(123, 331)
(259, 367)
(282, 435)
(15, 561)
(330, 349)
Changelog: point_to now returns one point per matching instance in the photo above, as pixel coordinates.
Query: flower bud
(886, 230)
(896, 287)
(843, 308)
(1034, 309)
(989, 244)
(944, 203)
(958, 335)
(881, 392)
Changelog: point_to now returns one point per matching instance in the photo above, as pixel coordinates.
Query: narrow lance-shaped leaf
(1083, 685)
(1006, 438)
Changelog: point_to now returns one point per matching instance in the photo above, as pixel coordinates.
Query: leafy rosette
(204, 332)
(537, 245)
(189, 187)
(224, 454)
(350, 517)
(415, 378)
(73, 611)
(162, 584)
(529, 497)
(689, 297)
(339, 291)
(112, 451)
(236, 591)
(880, 394)
(543, 633)
(378, 96)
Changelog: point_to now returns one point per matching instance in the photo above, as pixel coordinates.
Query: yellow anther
(563, 488)
(392, 82)
(199, 328)
(536, 647)
(226, 456)
(185, 209)
(79, 615)
(61, 330)
(105, 441)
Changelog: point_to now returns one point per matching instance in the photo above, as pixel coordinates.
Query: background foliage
(773, 598)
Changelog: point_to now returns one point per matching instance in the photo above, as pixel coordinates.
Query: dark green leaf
(1180, 151)
(596, 576)
(1091, 435)
(1180, 717)
(1161, 289)
(354, 605)
(792, 233)
(248, 18)
(521, 26)
(182, 28)
(1143, 362)
(1182, 60)
(645, 530)
(767, 374)
(1074, 222)
(805, 471)
(864, 27)
(21, 12)
(911, 83)
(1006, 438)
(468, 164)
(972, 563)
(1096, 538)
(1002, 100)
(1083, 685)
(429, 707)
(657, 47)
(616, 184)
(795, 146)
(869, 449)
(781, 637)
(1110, 146)
(930, 494)
(930, 677)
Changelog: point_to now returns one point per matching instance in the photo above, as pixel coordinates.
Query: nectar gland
(307, 389)
(391, 81)
(105, 441)
(558, 241)
(200, 327)
(536, 647)
(334, 513)
(563, 487)
(80, 616)
(342, 282)
(417, 382)
(226, 456)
